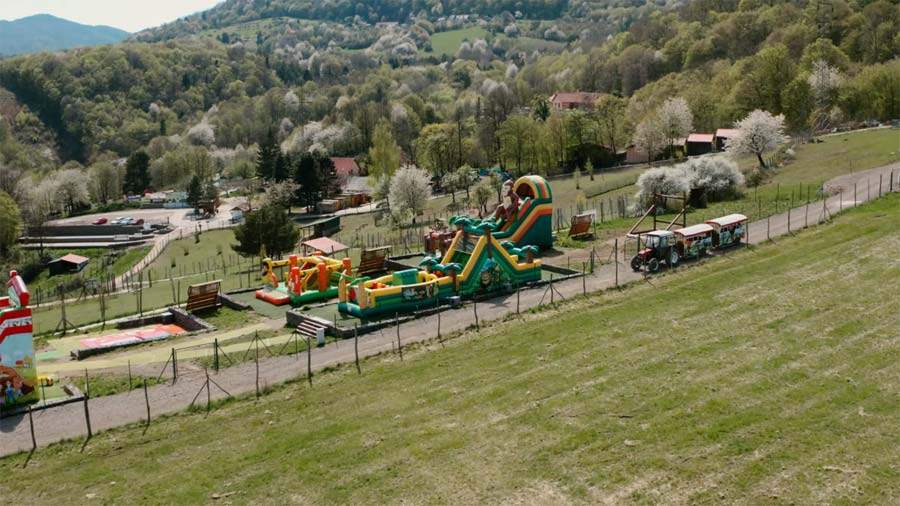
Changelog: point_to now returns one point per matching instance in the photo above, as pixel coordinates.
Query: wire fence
(196, 376)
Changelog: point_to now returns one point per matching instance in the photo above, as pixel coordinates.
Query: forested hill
(325, 86)
(44, 32)
(232, 12)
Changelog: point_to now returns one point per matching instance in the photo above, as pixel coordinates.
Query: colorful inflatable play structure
(308, 279)
(525, 219)
(481, 256)
(18, 371)
(473, 265)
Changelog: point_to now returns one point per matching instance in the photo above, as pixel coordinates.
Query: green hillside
(768, 376)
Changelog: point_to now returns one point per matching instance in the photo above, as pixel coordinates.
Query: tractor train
(672, 246)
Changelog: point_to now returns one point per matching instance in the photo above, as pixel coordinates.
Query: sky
(129, 15)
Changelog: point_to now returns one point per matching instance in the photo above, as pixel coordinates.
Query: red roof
(708, 138)
(575, 97)
(345, 166)
(326, 245)
(727, 133)
(72, 258)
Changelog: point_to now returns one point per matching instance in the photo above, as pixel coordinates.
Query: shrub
(704, 179)
(664, 180)
(713, 179)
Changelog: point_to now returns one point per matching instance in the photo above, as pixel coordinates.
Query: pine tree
(282, 167)
(194, 192)
(266, 231)
(267, 158)
(137, 173)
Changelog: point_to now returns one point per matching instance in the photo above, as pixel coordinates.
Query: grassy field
(102, 262)
(767, 376)
(448, 42)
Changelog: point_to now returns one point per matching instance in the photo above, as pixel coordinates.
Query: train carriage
(728, 230)
(694, 241)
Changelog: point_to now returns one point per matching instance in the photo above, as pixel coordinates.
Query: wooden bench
(203, 296)
(371, 261)
(581, 225)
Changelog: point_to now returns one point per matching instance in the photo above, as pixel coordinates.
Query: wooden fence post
(147, 401)
(308, 360)
(31, 425)
(399, 344)
(616, 259)
(356, 346)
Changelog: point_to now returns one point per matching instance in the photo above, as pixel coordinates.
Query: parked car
(139, 221)
(100, 221)
(116, 221)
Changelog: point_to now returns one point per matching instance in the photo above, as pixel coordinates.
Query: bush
(664, 180)
(713, 179)
(703, 179)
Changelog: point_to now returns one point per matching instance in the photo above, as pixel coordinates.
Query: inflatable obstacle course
(525, 219)
(474, 264)
(308, 279)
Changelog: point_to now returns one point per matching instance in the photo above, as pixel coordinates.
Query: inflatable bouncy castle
(18, 371)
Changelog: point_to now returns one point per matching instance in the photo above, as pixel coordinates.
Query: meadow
(768, 375)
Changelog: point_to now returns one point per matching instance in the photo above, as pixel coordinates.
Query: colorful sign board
(18, 371)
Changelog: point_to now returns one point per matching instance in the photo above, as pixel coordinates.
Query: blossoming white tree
(759, 132)
(649, 136)
(410, 191)
(675, 119)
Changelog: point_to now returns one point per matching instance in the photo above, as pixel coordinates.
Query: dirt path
(64, 422)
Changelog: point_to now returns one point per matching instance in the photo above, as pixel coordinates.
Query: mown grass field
(766, 376)
(448, 42)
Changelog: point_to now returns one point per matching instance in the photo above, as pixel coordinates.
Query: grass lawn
(448, 42)
(102, 262)
(767, 376)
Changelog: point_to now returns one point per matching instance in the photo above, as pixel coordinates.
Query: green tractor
(660, 246)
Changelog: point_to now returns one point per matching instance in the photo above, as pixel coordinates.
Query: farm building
(345, 167)
(699, 144)
(722, 135)
(573, 100)
(67, 264)
(632, 154)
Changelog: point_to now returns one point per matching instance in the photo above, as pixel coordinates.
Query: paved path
(106, 412)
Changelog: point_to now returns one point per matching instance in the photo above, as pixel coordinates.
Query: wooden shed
(67, 264)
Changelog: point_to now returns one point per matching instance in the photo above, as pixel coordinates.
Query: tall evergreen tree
(194, 192)
(137, 173)
(267, 157)
(269, 227)
(315, 174)
(282, 166)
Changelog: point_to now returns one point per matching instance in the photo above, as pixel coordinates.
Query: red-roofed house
(722, 135)
(345, 167)
(574, 100)
(699, 144)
